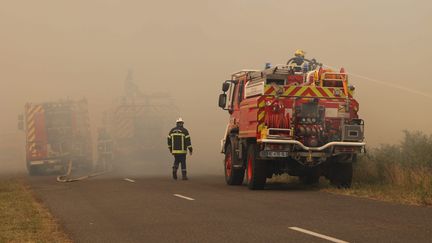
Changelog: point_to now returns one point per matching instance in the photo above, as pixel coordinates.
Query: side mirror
(225, 86)
(222, 101)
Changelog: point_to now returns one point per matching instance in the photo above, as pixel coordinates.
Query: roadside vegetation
(22, 218)
(401, 172)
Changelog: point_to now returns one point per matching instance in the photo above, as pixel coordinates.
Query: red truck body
(57, 132)
(305, 124)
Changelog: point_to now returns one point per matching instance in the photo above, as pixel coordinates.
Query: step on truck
(56, 133)
(301, 120)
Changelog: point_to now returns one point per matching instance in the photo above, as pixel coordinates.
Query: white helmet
(179, 120)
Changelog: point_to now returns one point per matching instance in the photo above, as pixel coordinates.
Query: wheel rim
(249, 168)
(228, 164)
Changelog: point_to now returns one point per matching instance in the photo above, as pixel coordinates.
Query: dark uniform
(178, 143)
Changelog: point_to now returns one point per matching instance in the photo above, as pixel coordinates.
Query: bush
(405, 168)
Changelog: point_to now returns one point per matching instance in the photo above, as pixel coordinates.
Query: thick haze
(56, 49)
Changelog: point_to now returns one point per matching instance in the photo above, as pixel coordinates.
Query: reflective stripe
(178, 151)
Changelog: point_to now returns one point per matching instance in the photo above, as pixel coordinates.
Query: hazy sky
(55, 49)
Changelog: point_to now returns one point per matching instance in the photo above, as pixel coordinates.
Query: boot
(184, 176)
(174, 174)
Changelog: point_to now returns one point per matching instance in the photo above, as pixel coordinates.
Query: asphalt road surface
(204, 209)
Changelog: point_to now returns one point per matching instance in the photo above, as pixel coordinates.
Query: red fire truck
(285, 119)
(56, 133)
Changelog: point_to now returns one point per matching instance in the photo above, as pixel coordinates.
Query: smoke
(389, 84)
(57, 49)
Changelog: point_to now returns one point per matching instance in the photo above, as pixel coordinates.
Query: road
(204, 209)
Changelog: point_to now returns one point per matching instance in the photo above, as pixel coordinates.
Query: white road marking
(127, 179)
(325, 237)
(184, 197)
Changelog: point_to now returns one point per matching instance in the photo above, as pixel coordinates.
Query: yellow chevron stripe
(301, 90)
(261, 104)
(328, 92)
(289, 90)
(32, 138)
(260, 127)
(30, 125)
(35, 110)
(30, 115)
(31, 131)
(267, 87)
(261, 115)
(316, 92)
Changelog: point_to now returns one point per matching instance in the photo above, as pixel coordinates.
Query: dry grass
(399, 173)
(22, 218)
(396, 182)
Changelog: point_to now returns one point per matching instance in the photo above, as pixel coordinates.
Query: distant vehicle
(135, 127)
(56, 133)
(300, 120)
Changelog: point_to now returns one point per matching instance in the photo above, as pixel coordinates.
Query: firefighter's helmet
(180, 120)
(299, 53)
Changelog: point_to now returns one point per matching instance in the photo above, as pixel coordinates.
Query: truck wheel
(311, 177)
(256, 169)
(233, 176)
(341, 175)
(33, 170)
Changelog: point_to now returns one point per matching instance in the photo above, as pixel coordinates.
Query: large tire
(341, 175)
(33, 170)
(233, 176)
(310, 177)
(256, 169)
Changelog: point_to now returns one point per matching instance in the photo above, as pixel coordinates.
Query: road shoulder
(23, 217)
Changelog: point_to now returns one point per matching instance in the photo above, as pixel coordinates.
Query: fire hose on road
(66, 178)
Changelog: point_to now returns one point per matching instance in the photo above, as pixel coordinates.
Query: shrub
(405, 168)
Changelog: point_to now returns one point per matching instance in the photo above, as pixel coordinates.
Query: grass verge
(22, 218)
(398, 172)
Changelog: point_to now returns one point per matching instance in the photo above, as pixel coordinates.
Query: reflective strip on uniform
(175, 150)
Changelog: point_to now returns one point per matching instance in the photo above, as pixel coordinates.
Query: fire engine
(288, 119)
(56, 134)
(134, 128)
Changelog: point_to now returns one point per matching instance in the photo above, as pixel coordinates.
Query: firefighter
(297, 63)
(178, 143)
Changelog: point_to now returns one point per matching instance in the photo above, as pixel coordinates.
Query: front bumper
(304, 147)
(45, 162)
